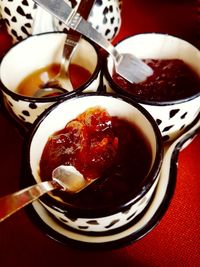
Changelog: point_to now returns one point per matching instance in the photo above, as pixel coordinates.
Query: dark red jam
(172, 80)
(99, 145)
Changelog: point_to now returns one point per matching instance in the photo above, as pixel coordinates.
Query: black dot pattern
(173, 112)
(109, 17)
(25, 113)
(32, 106)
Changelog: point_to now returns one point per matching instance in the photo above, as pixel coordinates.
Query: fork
(127, 65)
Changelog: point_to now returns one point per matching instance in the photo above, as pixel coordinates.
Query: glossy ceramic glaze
(172, 117)
(134, 230)
(24, 18)
(31, 54)
(112, 217)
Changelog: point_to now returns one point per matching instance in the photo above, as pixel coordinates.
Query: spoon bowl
(49, 91)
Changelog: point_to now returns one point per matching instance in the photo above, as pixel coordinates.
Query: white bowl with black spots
(172, 117)
(24, 18)
(110, 216)
(34, 53)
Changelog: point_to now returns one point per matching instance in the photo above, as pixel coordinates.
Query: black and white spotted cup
(34, 53)
(172, 117)
(24, 18)
(112, 216)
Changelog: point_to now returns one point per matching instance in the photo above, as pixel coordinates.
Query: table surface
(175, 240)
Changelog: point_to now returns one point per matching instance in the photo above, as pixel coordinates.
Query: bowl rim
(84, 86)
(72, 211)
(120, 90)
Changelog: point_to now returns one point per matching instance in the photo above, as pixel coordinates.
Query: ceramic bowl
(136, 230)
(24, 18)
(172, 117)
(34, 53)
(111, 216)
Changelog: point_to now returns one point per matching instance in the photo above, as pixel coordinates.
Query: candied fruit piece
(87, 142)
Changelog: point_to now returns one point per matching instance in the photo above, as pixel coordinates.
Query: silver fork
(127, 65)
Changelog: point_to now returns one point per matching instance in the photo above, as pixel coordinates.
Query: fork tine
(127, 65)
(133, 69)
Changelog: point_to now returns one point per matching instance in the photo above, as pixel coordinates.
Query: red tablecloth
(175, 240)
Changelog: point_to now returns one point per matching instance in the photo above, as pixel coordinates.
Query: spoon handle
(73, 37)
(76, 22)
(14, 202)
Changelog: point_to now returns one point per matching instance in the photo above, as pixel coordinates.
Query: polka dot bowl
(34, 53)
(25, 18)
(173, 116)
(112, 215)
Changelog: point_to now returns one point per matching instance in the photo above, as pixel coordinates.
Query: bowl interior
(39, 51)
(159, 46)
(61, 114)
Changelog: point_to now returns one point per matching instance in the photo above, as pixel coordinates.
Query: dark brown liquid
(34, 81)
(171, 80)
(99, 145)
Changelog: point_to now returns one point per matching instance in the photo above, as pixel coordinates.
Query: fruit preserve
(99, 145)
(172, 80)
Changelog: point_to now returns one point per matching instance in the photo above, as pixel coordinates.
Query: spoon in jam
(61, 83)
(49, 92)
(65, 178)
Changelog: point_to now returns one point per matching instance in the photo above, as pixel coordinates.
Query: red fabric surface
(175, 240)
(176, 17)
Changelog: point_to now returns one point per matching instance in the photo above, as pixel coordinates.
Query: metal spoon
(127, 65)
(61, 82)
(48, 92)
(66, 178)
(62, 79)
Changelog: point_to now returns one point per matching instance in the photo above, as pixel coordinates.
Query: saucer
(136, 229)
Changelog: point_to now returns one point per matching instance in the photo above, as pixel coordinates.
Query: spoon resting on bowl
(127, 65)
(62, 79)
(65, 178)
(68, 178)
(61, 83)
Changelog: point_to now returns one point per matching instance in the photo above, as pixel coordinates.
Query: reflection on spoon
(49, 92)
(65, 178)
